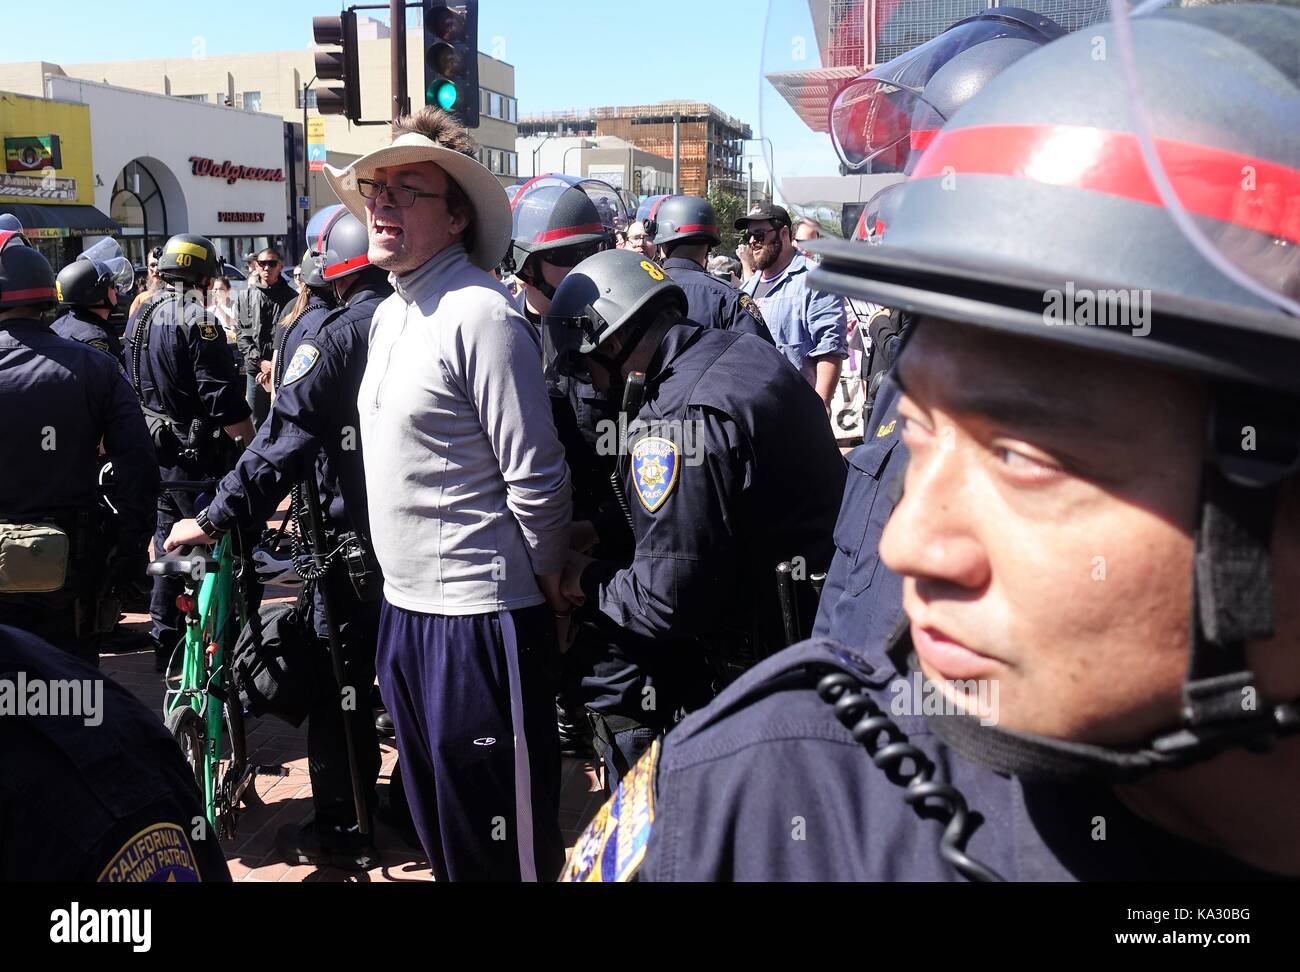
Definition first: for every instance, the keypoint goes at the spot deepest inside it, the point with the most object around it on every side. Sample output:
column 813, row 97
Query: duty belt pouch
column 34, row 558
column 162, row 432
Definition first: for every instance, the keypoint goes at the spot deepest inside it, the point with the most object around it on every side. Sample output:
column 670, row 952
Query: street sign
column 316, row 144
column 304, row 202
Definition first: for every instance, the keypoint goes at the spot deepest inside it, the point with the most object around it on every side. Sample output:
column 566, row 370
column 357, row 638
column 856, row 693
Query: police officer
column 88, row 293
column 1038, row 694
column 683, row 228
column 61, row 562
column 180, row 366
column 728, row 469
column 312, row 429
column 102, row 794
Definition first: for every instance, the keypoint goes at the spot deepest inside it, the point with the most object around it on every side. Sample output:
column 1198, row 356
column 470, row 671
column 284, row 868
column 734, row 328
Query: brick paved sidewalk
column 284, row 799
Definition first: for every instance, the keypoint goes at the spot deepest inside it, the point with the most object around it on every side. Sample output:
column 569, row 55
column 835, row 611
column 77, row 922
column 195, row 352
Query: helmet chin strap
column 1233, row 599
column 533, row 276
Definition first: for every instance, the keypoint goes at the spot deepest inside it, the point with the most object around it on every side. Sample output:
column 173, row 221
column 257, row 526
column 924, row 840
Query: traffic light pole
column 397, row 31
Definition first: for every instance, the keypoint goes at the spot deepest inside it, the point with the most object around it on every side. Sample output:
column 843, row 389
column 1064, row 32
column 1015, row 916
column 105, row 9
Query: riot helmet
column 555, row 219
column 188, row 258
column 340, row 243
column 683, row 218
column 26, row 277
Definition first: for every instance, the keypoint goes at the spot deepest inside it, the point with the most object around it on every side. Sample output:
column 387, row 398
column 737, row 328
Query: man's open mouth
column 386, row 231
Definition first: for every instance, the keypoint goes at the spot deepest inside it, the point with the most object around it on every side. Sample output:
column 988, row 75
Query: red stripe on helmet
column 655, row 208
column 524, row 188
column 35, row 293
column 1208, row 181
column 346, row 266
column 922, row 137
column 564, row 232
column 699, row 228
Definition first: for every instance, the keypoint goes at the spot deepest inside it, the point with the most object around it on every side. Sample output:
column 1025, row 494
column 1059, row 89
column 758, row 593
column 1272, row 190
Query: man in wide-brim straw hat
column 469, row 509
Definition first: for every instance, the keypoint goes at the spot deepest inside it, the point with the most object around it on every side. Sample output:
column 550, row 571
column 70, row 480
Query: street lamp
column 564, row 165
column 546, row 138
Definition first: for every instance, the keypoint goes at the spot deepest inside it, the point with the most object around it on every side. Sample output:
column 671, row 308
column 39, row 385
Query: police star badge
column 304, row 359
column 655, row 465
column 208, row 331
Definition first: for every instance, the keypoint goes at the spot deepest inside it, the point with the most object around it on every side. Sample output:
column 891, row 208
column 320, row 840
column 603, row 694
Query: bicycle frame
column 213, row 621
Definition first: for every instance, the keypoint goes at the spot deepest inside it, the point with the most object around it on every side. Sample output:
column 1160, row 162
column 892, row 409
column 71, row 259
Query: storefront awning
column 44, row 222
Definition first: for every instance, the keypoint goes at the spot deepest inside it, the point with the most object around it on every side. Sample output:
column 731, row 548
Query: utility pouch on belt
column 162, row 431
column 34, row 558
column 363, row 569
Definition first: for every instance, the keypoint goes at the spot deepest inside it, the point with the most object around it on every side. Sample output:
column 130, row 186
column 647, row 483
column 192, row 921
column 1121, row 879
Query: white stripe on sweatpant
column 523, row 771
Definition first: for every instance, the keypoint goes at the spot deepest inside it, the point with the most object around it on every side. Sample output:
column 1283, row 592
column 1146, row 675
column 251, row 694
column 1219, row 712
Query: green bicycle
column 202, row 711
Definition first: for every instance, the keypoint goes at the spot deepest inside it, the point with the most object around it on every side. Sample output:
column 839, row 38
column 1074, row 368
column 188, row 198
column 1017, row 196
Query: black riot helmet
column 340, row 243
column 188, row 258
column 1070, row 196
column 26, row 277
column 556, row 218
column 891, row 112
column 683, row 218
column 84, row 283
column 612, row 292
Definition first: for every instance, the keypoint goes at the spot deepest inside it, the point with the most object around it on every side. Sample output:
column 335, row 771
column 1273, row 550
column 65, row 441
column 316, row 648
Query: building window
column 200, row 98
column 311, row 98
column 252, row 101
column 494, row 106
column 514, row 162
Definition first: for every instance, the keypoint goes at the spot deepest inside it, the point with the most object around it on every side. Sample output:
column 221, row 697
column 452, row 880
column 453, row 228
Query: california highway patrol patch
column 304, row 359
column 655, row 465
column 614, row 843
column 158, row 853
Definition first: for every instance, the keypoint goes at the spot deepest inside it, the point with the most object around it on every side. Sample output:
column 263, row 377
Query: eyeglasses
column 399, row 196
column 759, row 236
column 268, row 264
column 571, row 256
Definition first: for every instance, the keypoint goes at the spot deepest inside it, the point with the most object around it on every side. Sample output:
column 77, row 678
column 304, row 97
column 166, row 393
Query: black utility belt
column 171, row 437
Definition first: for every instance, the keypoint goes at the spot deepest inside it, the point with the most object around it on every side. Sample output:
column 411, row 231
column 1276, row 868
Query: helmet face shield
column 565, row 341
column 108, row 255
column 875, row 113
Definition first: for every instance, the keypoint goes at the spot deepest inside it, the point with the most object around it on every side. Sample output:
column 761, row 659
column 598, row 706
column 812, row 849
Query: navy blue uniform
column 60, row 399
column 862, row 599
column 79, row 324
column 312, row 429
column 104, row 796
column 737, row 472
column 715, row 303
column 185, row 372
column 766, row 784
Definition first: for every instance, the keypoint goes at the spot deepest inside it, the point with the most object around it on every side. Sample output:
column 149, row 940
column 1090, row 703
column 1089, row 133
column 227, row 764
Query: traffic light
column 451, row 58
column 338, row 65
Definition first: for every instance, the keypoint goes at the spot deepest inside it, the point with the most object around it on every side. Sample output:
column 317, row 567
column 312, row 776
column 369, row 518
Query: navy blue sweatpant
column 473, row 702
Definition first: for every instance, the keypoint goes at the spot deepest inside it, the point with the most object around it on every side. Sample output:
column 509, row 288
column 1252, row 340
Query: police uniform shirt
column 862, row 599
column 60, row 399
column 766, row 784
column 315, row 411
column 109, row 802
column 737, row 473
column 715, row 303
column 186, row 370
column 81, row 325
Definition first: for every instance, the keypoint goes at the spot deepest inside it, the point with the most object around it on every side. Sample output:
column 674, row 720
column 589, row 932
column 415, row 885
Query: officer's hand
column 570, row 579
column 186, row 533
column 583, row 536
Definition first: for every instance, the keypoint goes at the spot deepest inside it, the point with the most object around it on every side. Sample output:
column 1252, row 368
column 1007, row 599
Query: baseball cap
column 761, row 211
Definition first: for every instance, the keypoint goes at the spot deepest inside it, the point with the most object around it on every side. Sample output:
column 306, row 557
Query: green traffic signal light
column 447, row 96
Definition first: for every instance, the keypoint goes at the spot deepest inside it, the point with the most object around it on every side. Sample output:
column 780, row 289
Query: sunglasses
column 759, row 236
column 268, row 264
column 571, row 256
column 400, row 196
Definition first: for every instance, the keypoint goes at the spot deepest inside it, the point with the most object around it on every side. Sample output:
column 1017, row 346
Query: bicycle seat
column 194, row 565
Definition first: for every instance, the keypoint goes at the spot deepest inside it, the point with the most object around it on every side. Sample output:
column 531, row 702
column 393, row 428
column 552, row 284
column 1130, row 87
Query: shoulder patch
column 101, row 344
column 158, row 853
column 304, row 359
column 209, row 331
column 614, row 843
column 886, row 429
column 655, row 467
column 747, row 304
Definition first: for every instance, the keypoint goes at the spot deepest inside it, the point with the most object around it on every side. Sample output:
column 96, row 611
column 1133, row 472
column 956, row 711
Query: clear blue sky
column 566, row 53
